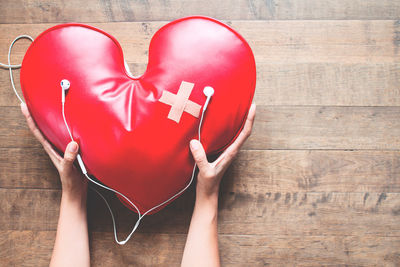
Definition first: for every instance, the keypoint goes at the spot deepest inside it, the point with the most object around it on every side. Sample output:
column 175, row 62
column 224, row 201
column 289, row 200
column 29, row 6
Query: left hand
column 73, row 183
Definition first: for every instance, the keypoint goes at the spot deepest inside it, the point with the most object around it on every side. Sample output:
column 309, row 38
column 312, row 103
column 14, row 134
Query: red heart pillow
column 134, row 132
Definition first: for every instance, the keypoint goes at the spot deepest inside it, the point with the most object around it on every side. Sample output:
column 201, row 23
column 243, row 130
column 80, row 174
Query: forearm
column 201, row 247
column 71, row 247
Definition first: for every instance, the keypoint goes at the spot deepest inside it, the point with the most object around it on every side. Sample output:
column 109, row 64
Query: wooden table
column 318, row 182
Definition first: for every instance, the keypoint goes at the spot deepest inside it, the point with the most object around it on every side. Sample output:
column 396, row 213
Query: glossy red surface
column 126, row 140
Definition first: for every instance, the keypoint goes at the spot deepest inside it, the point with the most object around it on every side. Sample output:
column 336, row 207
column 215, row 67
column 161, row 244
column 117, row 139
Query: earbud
column 208, row 92
column 65, row 84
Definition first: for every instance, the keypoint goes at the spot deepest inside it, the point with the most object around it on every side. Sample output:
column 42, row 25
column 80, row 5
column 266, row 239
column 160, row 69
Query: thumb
column 70, row 154
column 199, row 154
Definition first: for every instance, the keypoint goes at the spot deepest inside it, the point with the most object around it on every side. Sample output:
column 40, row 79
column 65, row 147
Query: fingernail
column 194, row 144
column 73, row 147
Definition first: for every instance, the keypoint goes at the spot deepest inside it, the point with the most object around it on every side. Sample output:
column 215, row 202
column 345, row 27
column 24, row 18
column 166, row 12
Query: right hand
column 210, row 173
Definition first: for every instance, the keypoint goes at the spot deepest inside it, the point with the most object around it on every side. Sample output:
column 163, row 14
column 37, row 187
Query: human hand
column 73, row 184
column 210, row 173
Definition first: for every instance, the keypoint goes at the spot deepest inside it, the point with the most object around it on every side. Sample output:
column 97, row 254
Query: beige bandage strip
column 180, row 102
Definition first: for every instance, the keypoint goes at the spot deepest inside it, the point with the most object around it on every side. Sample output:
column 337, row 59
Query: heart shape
column 134, row 132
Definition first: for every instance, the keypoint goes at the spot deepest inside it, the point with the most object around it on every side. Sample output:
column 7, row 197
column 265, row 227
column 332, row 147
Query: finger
column 54, row 156
column 199, row 155
column 69, row 156
column 36, row 132
column 248, row 126
column 31, row 124
column 228, row 155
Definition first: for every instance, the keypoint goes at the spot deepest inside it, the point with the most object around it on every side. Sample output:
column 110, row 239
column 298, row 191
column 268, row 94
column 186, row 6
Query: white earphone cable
column 140, row 216
column 11, row 67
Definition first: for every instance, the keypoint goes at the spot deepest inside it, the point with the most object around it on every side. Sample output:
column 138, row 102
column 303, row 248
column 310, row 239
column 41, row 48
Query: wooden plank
column 256, row 171
column 302, row 127
column 274, row 171
column 278, row 127
column 27, row 168
column 297, row 41
column 330, row 84
column 280, row 213
column 321, row 41
column 241, row 212
column 26, row 248
column 20, row 11
column 14, row 130
column 266, row 250
column 33, row 248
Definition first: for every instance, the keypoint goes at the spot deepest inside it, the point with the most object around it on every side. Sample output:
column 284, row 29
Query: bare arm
column 201, row 247
column 71, row 247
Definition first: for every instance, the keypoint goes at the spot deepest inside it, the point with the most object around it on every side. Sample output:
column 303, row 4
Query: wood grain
column 297, row 41
column 307, row 127
column 327, row 84
column 317, row 183
column 33, row 248
column 278, row 127
column 256, row 171
column 240, row 213
column 280, row 213
column 261, row 171
column 27, row 168
column 20, row 11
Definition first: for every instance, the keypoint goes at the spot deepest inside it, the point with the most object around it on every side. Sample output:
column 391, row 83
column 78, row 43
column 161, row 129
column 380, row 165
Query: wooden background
column 318, row 182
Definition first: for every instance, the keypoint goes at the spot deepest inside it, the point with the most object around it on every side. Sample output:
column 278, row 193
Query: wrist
column 74, row 190
column 75, row 196
column 206, row 201
column 209, row 194
column 205, row 211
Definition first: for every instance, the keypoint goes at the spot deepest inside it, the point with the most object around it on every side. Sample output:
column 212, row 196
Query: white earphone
column 208, row 92
column 65, row 84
